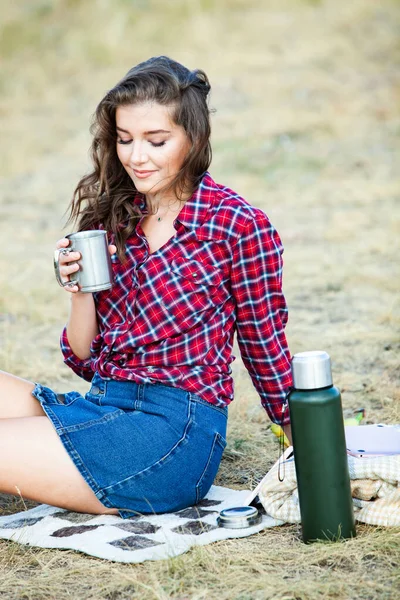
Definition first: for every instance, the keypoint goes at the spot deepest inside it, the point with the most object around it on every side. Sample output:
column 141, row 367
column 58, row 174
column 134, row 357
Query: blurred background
column 306, row 127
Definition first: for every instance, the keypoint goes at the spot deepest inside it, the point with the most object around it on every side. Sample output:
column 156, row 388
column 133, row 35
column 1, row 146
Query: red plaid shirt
column 171, row 315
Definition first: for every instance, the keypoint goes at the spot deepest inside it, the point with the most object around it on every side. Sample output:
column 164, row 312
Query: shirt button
column 95, row 390
column 150, row 369
column 194, row 274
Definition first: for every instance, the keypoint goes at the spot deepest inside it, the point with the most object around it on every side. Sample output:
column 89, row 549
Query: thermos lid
column 311, row 370
column 239, row 517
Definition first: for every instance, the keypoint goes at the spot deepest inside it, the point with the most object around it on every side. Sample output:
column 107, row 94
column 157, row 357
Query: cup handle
column 56, row 264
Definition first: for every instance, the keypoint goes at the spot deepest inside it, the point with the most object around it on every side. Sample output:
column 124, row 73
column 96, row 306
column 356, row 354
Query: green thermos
column 319, row 446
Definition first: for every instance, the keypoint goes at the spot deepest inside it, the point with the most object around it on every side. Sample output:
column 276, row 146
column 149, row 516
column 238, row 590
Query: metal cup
column 95, row 270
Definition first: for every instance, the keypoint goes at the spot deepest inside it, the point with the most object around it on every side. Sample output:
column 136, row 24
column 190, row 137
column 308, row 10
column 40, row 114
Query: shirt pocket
column 192, row 286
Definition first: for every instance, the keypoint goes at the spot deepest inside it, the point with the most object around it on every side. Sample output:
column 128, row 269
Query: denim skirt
column 142, row 448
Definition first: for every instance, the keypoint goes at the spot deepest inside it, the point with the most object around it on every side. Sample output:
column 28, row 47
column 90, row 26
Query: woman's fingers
column 71, row 287
column 65, row 258
column 67, row 264
column 62, row 243
column 112, row 249
column 66, row 269
column 68, row 258
column 67, row 274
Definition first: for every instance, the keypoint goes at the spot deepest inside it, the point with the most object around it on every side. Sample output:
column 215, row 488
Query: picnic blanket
column 375, row 487
column 133, row 540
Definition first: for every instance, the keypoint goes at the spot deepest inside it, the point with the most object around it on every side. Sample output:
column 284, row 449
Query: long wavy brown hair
column 104, row 196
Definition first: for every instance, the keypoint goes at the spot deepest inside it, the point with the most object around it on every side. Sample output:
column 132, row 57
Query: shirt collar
column 195, row 208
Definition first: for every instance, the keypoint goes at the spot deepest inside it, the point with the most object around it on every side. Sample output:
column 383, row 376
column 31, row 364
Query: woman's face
column 150, row 146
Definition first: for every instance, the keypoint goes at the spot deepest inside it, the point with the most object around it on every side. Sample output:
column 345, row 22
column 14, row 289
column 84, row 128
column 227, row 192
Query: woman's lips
column 142, row 174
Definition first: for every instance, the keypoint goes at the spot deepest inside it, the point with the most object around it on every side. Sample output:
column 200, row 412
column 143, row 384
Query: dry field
column 307, row 127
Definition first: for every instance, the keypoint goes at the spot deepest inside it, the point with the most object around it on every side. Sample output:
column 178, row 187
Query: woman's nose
column 138, row 156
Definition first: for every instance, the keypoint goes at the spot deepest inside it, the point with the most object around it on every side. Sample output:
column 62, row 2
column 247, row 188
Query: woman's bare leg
column 33, row 460
column 16, row 398
column 35, row 465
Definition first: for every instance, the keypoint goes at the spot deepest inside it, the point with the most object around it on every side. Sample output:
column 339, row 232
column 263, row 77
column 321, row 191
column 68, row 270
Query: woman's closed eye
column 154, row 144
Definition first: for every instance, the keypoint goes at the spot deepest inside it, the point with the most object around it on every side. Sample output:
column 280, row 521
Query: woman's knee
column 16, row 398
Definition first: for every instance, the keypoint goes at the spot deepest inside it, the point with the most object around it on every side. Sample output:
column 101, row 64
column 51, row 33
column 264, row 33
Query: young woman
column 193, row 263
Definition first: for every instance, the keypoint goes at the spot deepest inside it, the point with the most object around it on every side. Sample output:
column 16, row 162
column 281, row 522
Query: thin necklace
column 161, row 218
column 158, row 218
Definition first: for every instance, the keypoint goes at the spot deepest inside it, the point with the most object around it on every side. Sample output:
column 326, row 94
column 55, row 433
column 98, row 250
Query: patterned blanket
column 140, row 538
column 375, row 486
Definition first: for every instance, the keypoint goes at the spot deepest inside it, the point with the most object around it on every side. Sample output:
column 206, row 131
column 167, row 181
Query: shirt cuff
column 277, row 408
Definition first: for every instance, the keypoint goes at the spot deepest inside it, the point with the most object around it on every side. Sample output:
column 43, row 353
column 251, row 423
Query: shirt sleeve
column 80, row 367
column 262, row 313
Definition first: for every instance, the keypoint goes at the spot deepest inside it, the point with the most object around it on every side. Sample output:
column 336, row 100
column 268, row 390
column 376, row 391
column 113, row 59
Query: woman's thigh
column 35, row 465
column 16, row 398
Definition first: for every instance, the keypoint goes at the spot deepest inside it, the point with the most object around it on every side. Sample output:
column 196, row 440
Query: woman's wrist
column 82, row 298
column 288, row 432
column 82, row 325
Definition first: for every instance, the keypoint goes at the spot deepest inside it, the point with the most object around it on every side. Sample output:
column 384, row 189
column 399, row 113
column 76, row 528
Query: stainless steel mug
column 95, row 270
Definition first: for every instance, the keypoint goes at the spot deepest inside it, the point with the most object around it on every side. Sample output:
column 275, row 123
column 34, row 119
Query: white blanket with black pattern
column 133, row 540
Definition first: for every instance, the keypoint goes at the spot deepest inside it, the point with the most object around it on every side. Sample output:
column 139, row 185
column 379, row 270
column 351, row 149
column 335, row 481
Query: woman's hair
column 104, row 196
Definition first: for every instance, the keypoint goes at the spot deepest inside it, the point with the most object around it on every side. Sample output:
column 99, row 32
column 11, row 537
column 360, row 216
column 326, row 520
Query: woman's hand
column 69, row 265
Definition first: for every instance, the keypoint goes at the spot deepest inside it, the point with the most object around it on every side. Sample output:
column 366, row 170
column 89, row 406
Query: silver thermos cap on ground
column 311, row 370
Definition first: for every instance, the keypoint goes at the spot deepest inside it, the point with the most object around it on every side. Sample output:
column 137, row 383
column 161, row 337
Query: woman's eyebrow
column 146, row 132
column 157, row 131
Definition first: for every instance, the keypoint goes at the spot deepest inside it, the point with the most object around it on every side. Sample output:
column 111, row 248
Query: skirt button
column 95, row 390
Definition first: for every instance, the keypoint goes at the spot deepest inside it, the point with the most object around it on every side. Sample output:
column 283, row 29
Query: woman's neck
column 166, row 202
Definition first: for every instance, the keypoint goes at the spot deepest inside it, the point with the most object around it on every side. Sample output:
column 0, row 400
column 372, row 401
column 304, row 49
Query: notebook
column 372, row 440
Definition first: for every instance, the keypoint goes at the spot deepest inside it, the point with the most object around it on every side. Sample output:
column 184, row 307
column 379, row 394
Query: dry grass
column 307, row 127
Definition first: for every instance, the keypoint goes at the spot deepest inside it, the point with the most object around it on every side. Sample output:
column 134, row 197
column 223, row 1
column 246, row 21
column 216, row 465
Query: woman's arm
column 261, row 314
column 82, row 325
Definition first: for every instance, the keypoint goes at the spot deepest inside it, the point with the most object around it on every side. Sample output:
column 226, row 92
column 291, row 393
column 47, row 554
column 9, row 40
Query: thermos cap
column 239, row 517
column 311, row 370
